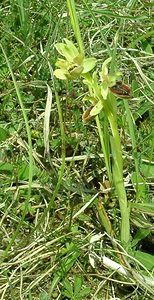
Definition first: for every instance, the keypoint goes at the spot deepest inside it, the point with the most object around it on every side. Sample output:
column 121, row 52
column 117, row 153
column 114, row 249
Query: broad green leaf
column 6, row 167
column 3, row 134
column 60, row 47
column 77, row 285
column 146, row 259
column 140, row 235
column 44, row 296
column 23, row 171
column 67, row 263
column 67, row 294
column 67, row 285
column 84, row 292
column 147, row 208
column 147, row 47
column 142, row 188
column 147, row 169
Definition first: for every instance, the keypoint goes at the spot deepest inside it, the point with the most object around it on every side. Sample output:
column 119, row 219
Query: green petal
column 111, row 80
column 79, row 59
column 96, row 109
column 72, row 48
column 104, row 90
column 90, row 98
column 69, row 51
column 95, row 84
column 76, row 71
column 65, row 51
column 104, row 72
column 106, row 62
column 60, row 48
column 89, row 64
column 60, row 74
column 62, row 63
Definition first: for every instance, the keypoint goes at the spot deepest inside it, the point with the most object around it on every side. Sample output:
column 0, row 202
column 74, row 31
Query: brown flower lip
column 86, row 117
column 122, row 90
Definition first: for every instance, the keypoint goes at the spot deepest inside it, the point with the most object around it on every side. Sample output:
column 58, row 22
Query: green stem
column 118, row 180
column 75, row 23
column 109, row 106
column 104, row 149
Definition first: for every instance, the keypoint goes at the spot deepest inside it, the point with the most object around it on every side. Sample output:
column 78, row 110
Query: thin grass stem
column 29, row 152
column 134, row 146
column 61, row 171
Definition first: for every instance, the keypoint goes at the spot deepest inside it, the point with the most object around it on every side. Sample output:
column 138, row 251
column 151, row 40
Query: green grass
column 51, row 200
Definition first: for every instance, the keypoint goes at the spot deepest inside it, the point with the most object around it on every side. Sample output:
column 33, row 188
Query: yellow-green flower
column 100, row 90
column 93, row 96
column 74, row 63
column 107, row 79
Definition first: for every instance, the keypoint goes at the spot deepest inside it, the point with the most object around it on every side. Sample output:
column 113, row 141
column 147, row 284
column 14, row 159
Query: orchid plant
column 75, row 65
column 101, row 88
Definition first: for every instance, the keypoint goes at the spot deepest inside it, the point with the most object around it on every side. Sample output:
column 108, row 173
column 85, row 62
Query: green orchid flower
column 94, row 97
column 100, row 90
column 107, row 79
column 74, row 63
